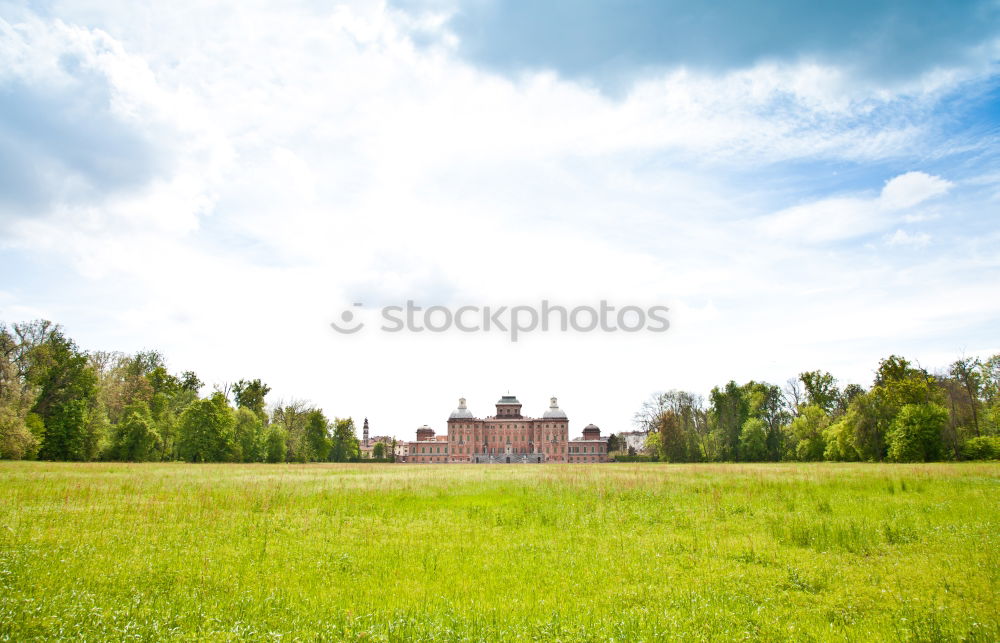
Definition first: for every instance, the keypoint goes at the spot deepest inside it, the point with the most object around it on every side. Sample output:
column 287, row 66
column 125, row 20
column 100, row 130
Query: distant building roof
column 508, row 399
column 462, row 412
column 554, row 412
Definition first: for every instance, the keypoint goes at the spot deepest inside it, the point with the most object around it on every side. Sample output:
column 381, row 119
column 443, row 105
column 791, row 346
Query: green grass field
column 573, row 552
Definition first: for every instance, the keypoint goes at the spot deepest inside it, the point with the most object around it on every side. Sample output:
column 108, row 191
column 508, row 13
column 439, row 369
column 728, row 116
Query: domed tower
column 462, row 412
column 554, row 412
column 591, row 432
column 508, row 407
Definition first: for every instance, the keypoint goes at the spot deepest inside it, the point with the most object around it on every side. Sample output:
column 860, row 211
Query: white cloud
column 904, row 238
column 907, row 190
column 841, row 218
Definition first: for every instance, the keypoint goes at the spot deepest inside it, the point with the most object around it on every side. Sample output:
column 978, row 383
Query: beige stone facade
column 507, row 437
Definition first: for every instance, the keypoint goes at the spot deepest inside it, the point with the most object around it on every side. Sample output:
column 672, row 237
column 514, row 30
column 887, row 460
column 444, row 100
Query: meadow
column 622, row 552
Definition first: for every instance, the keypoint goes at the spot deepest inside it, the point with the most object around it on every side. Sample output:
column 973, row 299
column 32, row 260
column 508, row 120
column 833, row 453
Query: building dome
column 462, row 412
column 554, row 412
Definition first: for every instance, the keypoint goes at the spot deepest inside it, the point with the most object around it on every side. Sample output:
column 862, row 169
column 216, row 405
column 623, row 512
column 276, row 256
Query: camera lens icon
column 347, row 318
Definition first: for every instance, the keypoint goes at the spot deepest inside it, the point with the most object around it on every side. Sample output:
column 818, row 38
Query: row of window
column 454, row 437
column 572, row 458
column 586, row 449
column 521, row 449
column 507, row 426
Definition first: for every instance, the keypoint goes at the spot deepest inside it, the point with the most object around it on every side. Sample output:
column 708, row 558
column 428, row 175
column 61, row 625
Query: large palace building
column 507, row 437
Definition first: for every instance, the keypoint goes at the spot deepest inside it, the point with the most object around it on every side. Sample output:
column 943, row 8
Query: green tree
column 870, row 415
column 276, row 446
column 915, row 435
column 753, row 440
column 190, row 382
column 317, row 436
column 164, row 415
column 250, row 436
column 767, row 403
column 968, row 374
column 345, row 446
column 807, row 440
column 294, row 416
column 67, row 387
column 135, row 437
column 207, row 431
column 851, row 391
column 97, row 431
column 676, row 425
column 671, row 443
column 250, row 394
column 378, row 451
column 839, row 439
column 17, row 441
column 986, row 447
column 821, row 389
column 728, row 412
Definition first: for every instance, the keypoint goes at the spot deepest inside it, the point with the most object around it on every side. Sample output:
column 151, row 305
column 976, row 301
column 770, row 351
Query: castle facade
column 507, row 438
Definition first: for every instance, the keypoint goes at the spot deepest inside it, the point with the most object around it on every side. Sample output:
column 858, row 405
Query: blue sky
column 806, row 185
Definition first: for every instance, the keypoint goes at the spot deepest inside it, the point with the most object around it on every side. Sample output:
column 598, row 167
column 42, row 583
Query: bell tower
column 364, row 433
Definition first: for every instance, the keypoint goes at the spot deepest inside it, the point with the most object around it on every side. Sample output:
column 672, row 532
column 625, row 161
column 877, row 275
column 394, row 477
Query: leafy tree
column 870, row 415
column 850, row 393
column 17, row 441
column 767, row 403
column 839, row 439
column 821, row 389
column 294, row 416
column 67, row 386
column 753, row 440
column 164, row 417
column 276, row 443
column 97, row 431
column 207, row 431
column 672, row 443
column 728, row 412
column 163, row 383
column 868, row 418
column 378, row 451
column 250, row 394
column 676, row 424
column 807, row 440
column 135, row 437
column 985, row 447
column 915, row 435
column 968, row 372
column 345, row 446
column 250, row 436
column 317, row 436
column 190, row 382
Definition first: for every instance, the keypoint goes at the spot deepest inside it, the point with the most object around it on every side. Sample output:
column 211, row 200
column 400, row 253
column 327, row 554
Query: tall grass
column 572, row 552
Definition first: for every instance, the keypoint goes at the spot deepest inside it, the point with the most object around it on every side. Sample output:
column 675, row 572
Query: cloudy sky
column 805, row 185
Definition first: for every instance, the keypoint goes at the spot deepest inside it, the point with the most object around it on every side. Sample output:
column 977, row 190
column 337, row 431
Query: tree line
column 58, row 402
column 908, row 414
